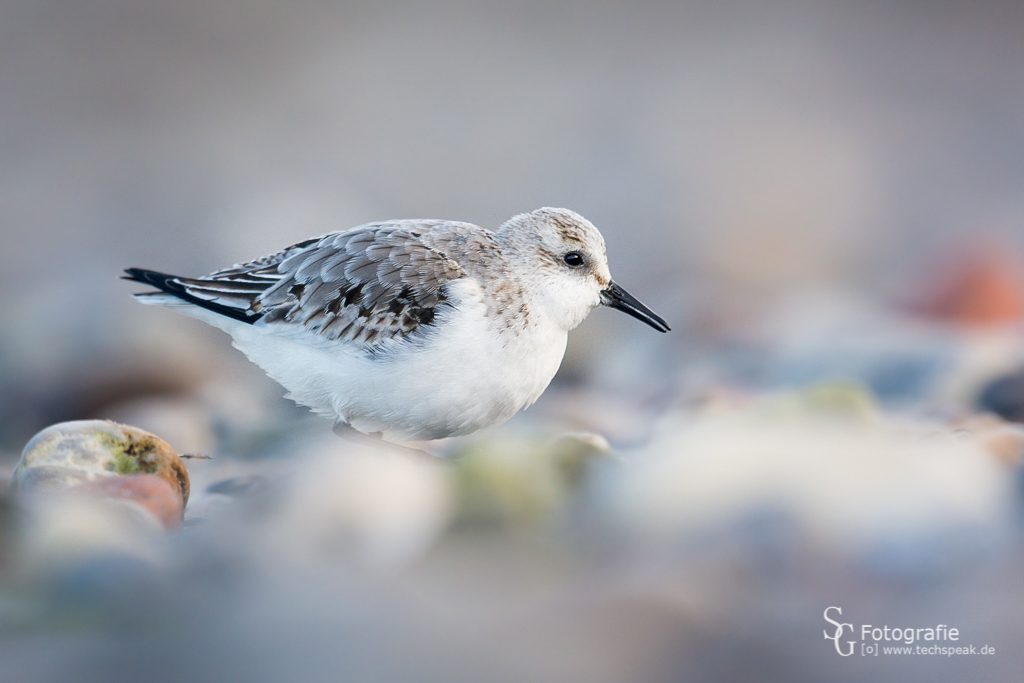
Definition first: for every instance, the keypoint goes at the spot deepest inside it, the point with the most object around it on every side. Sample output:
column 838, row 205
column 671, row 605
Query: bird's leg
column 374, row 440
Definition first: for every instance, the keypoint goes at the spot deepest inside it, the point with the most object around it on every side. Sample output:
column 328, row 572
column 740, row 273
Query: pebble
column 58, row 533
column 862, row 488
column 523, row 479
column 1004, row 396
column 369, row 505
column 107, row 459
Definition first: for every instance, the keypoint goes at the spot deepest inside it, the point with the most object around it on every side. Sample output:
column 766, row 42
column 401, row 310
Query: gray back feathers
column 364, row 285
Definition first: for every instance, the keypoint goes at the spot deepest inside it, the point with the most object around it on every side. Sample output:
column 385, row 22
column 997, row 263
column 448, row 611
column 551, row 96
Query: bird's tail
column 162, row 281
column 172, row 292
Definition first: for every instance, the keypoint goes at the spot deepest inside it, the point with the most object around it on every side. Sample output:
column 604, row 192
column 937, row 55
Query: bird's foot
column 374, row 440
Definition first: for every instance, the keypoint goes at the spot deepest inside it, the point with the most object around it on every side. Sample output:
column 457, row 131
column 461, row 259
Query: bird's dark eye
column 573, row 259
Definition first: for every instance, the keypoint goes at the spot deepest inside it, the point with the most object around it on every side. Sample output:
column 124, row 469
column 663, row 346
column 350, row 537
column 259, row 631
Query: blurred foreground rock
column 350, row 503
column 822, row 468
column 524, row 479
column 106, row 460
column 1004, row 396
column 63, row 536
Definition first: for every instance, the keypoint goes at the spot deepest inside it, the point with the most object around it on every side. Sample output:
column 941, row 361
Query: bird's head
column 563, row 255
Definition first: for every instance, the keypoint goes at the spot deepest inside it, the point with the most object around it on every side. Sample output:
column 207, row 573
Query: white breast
column 466, row 375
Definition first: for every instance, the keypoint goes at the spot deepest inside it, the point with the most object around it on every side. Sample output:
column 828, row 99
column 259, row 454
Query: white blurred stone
column 58, row 531
column 380, row 507
column 851, row 484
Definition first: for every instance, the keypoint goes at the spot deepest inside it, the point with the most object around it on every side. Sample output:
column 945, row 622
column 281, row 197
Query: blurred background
column 824, row 199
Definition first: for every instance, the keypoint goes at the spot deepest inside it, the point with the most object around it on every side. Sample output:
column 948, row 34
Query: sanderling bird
column 411, row 330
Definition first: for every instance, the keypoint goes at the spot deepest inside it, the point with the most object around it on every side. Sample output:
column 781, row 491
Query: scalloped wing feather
column 364, row 285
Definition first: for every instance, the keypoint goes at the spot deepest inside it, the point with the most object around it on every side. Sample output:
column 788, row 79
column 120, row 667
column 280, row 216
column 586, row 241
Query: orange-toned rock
column 977, row 285
column 148, row 490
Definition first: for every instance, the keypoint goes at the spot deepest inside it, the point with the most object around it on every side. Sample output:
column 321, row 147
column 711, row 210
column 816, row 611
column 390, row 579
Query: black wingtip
column 162, row 281
column 170, row 285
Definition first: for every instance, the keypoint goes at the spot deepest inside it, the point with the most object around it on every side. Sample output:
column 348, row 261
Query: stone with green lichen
column 74, row 454
column 130, row 456
column 523, row 479
column 840, row 399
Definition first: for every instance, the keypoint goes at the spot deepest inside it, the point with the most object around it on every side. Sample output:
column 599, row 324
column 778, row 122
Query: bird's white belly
column 463, row 376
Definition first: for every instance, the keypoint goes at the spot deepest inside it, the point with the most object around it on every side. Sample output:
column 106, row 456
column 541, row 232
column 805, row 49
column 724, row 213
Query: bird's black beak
column 617, row 297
